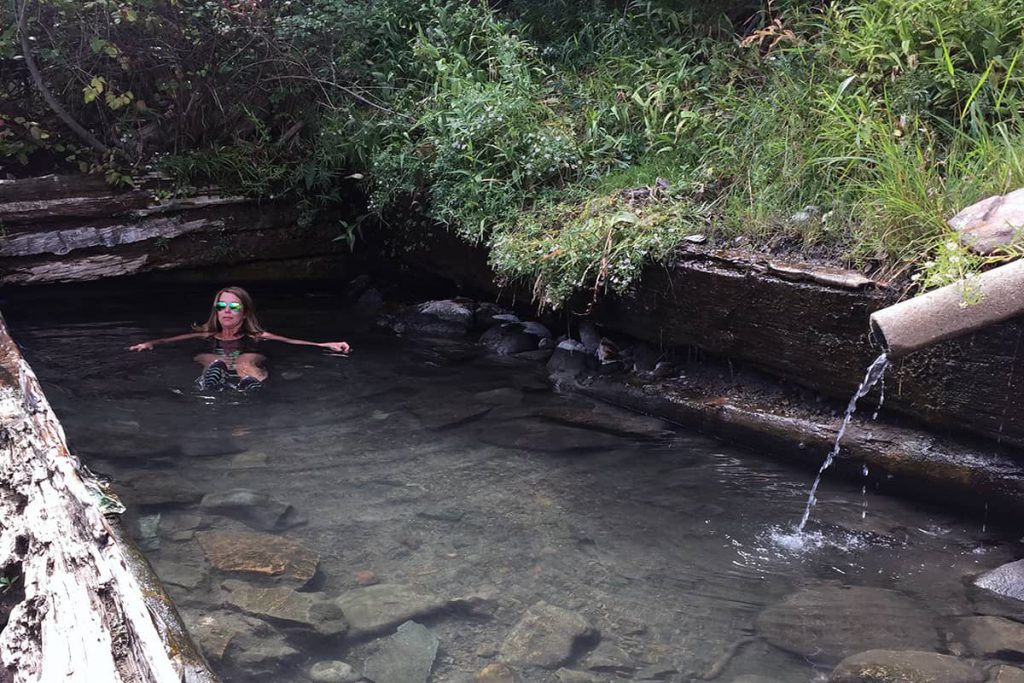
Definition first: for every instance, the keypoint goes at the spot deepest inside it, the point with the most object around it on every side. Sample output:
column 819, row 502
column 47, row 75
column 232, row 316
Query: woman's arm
column 337, row 347
column 148, row 345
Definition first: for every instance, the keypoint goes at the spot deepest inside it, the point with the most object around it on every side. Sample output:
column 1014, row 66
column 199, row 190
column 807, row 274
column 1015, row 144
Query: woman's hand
column 337, row 347
column 144, row 346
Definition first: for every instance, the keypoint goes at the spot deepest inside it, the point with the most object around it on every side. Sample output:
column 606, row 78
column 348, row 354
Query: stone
column 906, row 666
column 754, row 678
column 573, row 676
column 537, row 356
column 258, row 553
column 991, row 637
column 1006, row 580
column 258, row 510
column 375, row 609
column 215, row 631
column 333, row 671
column 485, row 313
column 176, row 573
column 609, row 657
column 406, row 657
column 829, row 622
column 546, row 636
column 569, row 361
column 508, row 339
column 157, row 487
column 1006, row 674
column 445, row 415
column 590, row 337
column 496, row 673
column 309, row 610
column 263, row 657
column 655, row 672
column 365, row 577
column 536, row 329
column 992, row 223
column 443, row 318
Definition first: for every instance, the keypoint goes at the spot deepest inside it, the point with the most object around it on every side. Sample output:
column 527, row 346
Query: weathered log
column 52, row 187
column 90, row 611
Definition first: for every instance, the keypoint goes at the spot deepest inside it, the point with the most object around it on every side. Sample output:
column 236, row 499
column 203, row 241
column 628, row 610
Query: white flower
column 952, row 246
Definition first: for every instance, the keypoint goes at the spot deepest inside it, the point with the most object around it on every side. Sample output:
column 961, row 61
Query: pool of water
column 429, row 463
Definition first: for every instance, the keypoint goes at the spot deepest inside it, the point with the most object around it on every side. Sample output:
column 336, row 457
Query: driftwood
column 92, row 611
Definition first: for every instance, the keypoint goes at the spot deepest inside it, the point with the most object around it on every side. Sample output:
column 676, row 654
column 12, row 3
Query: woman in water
column 233, row 331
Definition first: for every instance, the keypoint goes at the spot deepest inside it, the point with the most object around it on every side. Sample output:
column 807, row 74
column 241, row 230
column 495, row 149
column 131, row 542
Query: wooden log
column 85, row 616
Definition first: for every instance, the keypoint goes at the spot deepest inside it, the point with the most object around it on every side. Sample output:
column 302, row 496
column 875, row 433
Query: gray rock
column 590, row 336
column 507, row 339
column 308, row 610
column 569, row 360
column 214, row 632
column 546, row 636
column 147, row 534
column 538, row 356
column 443, row 318
column 830, row 622
column 536, row 329
column 991, row 637
column 157, row 487
column 655, row 672
column 1006, row 674
column 405, row 657
column 484, row 315
column 1007, row 580
column 376, row 609
column 506, row 318
column 754, row 678
column 258, row 510
column 609, row 657
column 992, row 223
column 333, row 671
column 899, row 666
column 263, row 657
column 573, row 676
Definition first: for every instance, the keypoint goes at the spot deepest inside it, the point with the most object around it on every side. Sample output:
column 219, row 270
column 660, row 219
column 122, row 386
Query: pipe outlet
column 940, row 314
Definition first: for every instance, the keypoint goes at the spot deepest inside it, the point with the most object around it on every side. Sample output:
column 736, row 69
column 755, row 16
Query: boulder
column 546, row 636
column 896, row 666
column 258, row 553
column 507, row 339
column 569, row 360
column 406, row 657
column 443, row 318
column 991, row 637
column 829, row 622
column 308, row 610
column 1006, row 580
column 992, row 223
column 375, row 609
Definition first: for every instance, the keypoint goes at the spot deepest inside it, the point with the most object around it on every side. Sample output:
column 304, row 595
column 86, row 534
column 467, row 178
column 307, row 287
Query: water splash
column 871, row 377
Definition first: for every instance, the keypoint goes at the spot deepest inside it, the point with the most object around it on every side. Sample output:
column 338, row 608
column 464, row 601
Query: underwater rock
column 507, row 339
column 496, row 673
column 991, row 637
column 309, row 610
column 157, row 487
column 262, row 657
column 256, row 509
column 374, row 609
column 830, row 622
column 894, row 666
column 608, row 657
column 333, row 671
column 216, row 631
column 537, row 356
column 1007, row 580
column 573, row 676
column 258, row 553
column 406, row 657
column 546, row 636
column 1006, row 674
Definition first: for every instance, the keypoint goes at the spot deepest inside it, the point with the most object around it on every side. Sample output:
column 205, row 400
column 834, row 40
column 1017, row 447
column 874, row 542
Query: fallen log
column 90, row 608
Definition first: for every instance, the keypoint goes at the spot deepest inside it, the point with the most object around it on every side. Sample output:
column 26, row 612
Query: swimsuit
column 230, row 349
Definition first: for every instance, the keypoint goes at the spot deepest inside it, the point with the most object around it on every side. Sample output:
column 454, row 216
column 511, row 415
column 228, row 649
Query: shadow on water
column 427, row 463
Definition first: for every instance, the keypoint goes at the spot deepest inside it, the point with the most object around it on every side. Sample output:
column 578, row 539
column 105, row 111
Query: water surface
column 429, row 463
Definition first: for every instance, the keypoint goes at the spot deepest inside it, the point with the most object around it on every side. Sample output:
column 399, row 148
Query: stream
column 429, row 464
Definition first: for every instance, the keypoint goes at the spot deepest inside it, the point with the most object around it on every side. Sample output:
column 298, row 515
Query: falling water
column 874, row 373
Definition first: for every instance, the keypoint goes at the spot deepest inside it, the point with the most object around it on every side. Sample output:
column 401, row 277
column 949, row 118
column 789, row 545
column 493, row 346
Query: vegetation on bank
column 579, row 141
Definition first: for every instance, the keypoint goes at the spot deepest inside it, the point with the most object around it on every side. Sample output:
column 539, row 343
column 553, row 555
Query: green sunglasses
column 232, row 305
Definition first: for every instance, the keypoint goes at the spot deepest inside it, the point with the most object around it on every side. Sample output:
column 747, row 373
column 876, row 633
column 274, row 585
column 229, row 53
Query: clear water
column 428, row 463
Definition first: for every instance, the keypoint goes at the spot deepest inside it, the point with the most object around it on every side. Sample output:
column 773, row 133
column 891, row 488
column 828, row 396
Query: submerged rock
column 497, row 673
column 256, row 509
column 257, row 553
column 895, row 666
column 374, row 609
column 309, row 610
column 828, row 623
column 991, row 637
column 333, row 671
column 508, row 339
column 406, row 657
column 547, row 636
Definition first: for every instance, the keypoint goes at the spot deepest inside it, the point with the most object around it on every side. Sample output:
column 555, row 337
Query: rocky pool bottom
column 422, row 510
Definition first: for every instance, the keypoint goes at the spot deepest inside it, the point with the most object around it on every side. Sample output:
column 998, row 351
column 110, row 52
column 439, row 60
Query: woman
column 233, row 330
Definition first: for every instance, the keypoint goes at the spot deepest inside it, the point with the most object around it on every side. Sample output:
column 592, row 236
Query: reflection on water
column 425, row 463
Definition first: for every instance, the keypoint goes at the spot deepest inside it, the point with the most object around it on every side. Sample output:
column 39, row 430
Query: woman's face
column 230, row 311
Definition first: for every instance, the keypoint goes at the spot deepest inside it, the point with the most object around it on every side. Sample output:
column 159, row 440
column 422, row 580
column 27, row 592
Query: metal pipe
column 943, row 314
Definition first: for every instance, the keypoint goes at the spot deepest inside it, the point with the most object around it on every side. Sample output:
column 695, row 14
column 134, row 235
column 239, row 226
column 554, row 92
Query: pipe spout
column 940, row 314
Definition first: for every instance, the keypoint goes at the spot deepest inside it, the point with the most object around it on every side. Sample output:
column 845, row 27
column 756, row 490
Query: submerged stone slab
column 1006, row 580
column 257, row 553
column 406, row 657
column 333, row 671
column 893, row 666
column 310, row 610
column 375, row 609
column 256, row 509
column 992, row 637
column 546, row 636
column 828, row 623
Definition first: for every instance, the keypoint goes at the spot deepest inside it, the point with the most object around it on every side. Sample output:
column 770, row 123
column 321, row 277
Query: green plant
column 7, row 584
